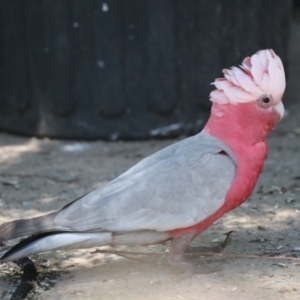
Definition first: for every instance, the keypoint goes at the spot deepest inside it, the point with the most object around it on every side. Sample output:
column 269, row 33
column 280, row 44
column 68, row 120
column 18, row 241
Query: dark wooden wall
column 119, row 69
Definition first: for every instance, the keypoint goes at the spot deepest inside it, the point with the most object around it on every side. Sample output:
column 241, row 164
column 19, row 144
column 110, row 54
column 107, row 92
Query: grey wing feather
column 174, row 188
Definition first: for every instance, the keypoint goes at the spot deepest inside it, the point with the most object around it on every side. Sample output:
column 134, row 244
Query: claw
column 227, row 240
column 216, row 249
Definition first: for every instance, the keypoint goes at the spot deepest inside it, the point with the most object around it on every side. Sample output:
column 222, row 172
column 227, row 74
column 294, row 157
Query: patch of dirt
column 38, row 176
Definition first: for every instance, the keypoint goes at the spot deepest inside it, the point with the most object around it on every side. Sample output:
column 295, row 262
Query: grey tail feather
column 7, row 251
column 26, row 227
column 4, row 250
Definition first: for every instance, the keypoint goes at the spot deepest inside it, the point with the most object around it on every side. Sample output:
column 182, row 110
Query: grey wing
column 175, row 188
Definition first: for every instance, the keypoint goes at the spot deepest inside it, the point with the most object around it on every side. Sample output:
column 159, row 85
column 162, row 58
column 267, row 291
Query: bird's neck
column 247, row 140
column 234, row 125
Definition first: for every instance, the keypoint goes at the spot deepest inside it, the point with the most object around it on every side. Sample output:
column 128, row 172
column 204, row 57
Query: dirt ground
column 41, row 175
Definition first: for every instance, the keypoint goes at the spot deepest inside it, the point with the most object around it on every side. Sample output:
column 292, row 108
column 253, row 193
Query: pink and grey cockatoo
column 176, row 193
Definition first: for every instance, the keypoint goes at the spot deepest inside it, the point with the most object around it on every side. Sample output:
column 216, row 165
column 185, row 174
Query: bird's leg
column 187, row 269
column 180, row 246
column 204, row 249
column 177, row 248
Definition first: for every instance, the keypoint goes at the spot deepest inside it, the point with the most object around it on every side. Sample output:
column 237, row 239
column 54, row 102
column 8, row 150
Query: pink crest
column 262, row 73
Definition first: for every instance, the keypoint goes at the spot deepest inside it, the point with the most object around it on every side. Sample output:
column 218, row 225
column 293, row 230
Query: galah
column 176, row 193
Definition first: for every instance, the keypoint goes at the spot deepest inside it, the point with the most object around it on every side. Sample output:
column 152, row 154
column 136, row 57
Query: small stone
column 215, row 240
column 155, row 281
column 14, row 183
column 263, row 228
column 283, row 290
column 290, row 200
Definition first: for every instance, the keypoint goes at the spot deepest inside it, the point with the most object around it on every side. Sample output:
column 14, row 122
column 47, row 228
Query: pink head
column 260, row 74
column 249, row 96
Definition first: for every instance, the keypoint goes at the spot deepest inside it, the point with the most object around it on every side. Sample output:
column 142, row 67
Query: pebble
column 282, row 265
column 283, row 290
column 155, row 281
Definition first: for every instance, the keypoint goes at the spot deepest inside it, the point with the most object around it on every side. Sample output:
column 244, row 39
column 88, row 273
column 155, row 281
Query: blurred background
column 125, row 69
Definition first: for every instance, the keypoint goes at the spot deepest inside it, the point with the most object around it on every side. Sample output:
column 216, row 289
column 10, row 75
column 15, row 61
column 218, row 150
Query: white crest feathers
column 262, row 73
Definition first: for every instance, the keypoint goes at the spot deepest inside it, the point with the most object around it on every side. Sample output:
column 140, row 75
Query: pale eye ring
column 265, row 101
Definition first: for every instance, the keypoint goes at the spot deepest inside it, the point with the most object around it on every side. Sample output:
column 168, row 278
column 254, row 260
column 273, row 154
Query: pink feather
column 262, row 73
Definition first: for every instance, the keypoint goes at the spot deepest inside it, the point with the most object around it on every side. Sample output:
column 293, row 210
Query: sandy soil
column 38, row 176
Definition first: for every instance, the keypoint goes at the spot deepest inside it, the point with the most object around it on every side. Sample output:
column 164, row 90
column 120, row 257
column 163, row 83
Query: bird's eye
column 265, row 101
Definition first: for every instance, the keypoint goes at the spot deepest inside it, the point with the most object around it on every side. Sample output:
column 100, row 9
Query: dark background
column 125, row 69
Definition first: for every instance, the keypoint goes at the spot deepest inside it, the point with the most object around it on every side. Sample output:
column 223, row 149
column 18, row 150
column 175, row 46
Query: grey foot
column 179, row 248
column 193, row 252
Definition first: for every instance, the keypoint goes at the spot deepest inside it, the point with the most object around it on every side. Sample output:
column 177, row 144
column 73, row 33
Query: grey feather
column 174, row 188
